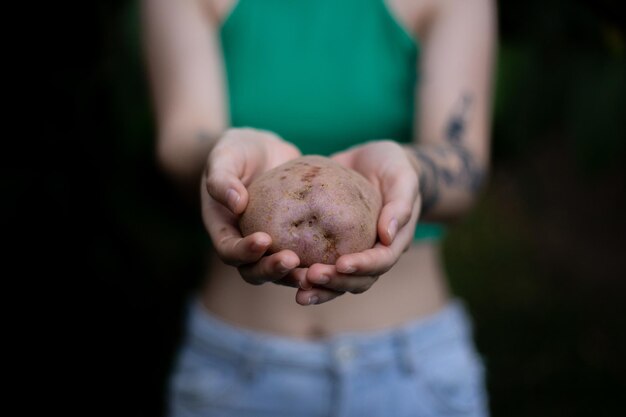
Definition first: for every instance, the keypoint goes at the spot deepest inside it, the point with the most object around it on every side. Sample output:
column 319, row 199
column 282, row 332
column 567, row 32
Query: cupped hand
column 238, row 157
column 387, row 166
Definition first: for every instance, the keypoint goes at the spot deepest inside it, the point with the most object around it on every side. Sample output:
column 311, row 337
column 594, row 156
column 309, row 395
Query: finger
column 225, row 169
column 237, row 251
column 380, row 258
column 326, row 276
column 270, row 268
column 375, row 261
column 349, row 283
column 400, row 189
column 293, row 279
column 343, row 158
column 226, row 237
column 315, row 296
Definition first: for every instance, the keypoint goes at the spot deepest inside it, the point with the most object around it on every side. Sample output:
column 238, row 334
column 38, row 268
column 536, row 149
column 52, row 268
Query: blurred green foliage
column 561, row 72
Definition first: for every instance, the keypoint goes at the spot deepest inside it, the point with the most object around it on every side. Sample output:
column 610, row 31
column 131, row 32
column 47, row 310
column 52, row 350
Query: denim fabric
column 425, row 368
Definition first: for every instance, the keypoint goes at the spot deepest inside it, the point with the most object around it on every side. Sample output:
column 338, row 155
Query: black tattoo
column 450, row 165
column 468, row 175
column 456, row 125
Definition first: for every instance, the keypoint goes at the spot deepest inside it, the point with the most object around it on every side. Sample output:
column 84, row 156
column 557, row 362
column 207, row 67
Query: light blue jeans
column 426, row 368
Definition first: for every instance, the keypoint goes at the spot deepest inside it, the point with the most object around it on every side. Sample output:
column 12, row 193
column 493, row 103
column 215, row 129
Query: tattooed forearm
column 450, row 165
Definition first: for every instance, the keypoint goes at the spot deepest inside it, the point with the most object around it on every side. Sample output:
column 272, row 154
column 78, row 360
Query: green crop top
column 323, row 74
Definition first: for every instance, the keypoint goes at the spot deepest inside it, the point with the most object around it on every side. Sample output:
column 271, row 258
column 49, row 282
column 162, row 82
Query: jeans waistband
column 207, row 332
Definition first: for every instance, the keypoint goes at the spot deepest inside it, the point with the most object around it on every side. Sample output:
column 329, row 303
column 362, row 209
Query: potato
column 315, row 207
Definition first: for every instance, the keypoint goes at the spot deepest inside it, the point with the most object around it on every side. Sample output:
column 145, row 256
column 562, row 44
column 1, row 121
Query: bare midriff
column 415, row 287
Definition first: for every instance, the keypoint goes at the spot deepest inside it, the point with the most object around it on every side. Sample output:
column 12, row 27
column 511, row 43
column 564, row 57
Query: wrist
column 410, row 152
column 182, row 155
column 426, row 175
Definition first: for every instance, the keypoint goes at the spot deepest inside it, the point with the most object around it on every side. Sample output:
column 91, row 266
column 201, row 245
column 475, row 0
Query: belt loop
column 403, row 351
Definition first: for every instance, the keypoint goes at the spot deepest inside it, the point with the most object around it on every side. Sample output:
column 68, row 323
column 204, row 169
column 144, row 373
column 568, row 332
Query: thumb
column 223, row 178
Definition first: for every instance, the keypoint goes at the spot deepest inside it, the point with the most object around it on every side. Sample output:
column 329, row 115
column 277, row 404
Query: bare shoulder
column 417, row 15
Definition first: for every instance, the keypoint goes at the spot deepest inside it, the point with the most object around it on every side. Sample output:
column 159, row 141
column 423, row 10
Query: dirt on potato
column 315, row 207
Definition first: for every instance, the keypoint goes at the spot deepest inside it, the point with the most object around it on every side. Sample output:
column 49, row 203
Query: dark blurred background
column 540, row 260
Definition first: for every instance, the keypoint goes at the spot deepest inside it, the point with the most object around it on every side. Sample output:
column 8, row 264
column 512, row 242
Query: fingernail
column 314, row 299
column 305, row 285
column 233, row 198
column 393, row 228
column 348, row 270
column 322, row 279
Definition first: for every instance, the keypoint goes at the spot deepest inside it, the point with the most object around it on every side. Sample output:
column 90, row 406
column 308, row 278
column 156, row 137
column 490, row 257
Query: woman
column 241, row 86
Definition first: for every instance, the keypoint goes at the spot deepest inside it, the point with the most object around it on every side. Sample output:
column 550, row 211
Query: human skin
column 445, row 167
